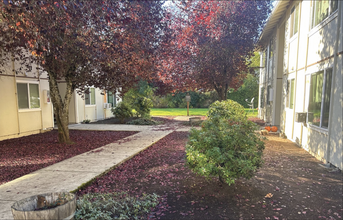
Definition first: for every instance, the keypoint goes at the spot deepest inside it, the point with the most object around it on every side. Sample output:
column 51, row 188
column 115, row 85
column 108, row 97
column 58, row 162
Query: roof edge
column 278, row 11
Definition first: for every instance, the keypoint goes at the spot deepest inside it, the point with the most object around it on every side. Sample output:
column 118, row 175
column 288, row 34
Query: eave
column 273, row 20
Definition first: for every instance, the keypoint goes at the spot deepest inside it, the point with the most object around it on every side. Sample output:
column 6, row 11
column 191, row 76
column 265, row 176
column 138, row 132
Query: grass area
column 177, row 111
column 192, row 111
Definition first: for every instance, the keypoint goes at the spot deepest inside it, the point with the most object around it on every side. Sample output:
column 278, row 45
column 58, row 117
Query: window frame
column 314, row 10
column 262, row 97
column 270, row 65
column 28, row 83
column 323, row 96
column 89, row 94
column 294, row 12
column 290, row 98
column 114, row 98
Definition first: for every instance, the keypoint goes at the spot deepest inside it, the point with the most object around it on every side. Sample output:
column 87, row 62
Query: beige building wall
column 309, row 51
column 8, row 107
column 15, row 122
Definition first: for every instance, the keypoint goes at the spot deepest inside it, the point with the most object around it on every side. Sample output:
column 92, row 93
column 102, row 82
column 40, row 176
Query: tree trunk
column 61, row 107
column 62, row 124
column 222, row 93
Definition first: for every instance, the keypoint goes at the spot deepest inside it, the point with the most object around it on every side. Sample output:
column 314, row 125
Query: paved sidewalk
column 69, row 174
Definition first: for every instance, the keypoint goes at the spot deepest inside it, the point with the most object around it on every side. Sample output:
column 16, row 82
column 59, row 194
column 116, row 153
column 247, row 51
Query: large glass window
column 271, row 59
column 319, row 100
column 322, row 9
column 28, row 95
column 294, row 20
column 291, row 91
column 90, row 96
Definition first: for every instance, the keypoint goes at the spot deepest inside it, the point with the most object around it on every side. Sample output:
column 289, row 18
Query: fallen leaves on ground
column 20, row 156
column 300, row 188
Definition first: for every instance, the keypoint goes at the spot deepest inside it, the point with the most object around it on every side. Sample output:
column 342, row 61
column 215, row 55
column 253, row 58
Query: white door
column 290, row 108
column 305, row 128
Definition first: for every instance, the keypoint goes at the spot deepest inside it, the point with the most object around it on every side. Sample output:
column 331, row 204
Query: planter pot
column 46, row 206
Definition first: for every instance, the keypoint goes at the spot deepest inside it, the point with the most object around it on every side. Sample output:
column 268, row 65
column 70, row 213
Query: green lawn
column 192, row 111
column 177, row 111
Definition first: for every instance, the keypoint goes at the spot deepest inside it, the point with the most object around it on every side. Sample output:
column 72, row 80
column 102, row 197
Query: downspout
column 296, row 73
column 105, row 101
column 265, row 95
column 84, row 109
column 40, row 100
column 334, row 77
column 76, row 108
column 16, row 91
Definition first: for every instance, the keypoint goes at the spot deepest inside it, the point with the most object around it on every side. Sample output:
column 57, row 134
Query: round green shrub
column 226, row 146
column 122, row 111
column 227, row 109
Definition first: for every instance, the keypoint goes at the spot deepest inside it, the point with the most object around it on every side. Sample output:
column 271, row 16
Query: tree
column 248, row 90
column 250, row 86
column 212, row 43
column 106, row 44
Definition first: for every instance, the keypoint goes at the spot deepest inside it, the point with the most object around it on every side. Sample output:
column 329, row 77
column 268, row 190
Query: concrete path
column 69, row 174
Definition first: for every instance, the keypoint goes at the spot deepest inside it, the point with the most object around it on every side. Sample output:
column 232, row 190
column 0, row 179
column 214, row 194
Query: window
column 271, row 59
column 268, row 95
column 322, row 9
column 111, row 98
column 28, row 95
column 264, row 60
column 90, row 96
column 294, row 20
column 319, row 100
column 262, row 97
column 291, row 93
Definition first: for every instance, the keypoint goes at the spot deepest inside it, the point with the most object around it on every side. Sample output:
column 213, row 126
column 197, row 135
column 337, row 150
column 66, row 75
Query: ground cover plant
column 107, row 206
column 289, row 185
column 24, row 155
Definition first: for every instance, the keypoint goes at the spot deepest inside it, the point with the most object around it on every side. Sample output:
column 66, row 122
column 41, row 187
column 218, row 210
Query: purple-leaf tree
column 106, row 44
column 213, row 40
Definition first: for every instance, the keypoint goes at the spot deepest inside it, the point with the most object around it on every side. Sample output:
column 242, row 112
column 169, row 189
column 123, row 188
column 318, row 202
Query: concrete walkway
column 69, row 174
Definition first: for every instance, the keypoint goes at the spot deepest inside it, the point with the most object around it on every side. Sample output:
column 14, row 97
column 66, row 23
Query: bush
column 226, row 146
column 114, row 206
column 122, row 111
column 142, row 106
column 229, row 110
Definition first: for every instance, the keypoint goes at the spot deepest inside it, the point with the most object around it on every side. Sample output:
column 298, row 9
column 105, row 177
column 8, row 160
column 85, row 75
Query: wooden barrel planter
column 59, row 205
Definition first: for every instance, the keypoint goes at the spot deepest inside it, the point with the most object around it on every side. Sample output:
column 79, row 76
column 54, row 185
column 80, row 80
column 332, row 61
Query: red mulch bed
column 299, row 188
column 24, row 155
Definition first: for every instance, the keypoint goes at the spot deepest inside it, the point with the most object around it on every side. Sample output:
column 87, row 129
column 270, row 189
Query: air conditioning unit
column 105, row 105
column 109, row 105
